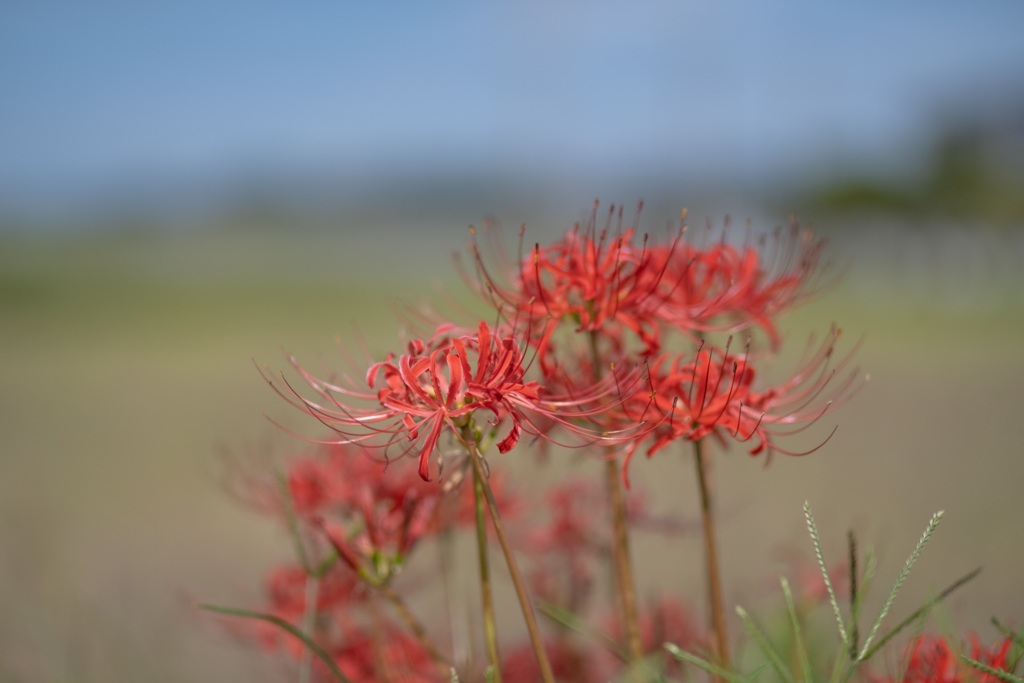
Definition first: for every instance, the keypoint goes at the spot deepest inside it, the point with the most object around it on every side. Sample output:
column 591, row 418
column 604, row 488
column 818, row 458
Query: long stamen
column 695, row 374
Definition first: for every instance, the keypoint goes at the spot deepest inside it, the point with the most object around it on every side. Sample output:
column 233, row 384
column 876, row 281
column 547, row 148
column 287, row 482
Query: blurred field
column 127, row 360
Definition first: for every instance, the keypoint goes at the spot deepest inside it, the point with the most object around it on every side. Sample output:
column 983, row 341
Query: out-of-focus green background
column 185, row 191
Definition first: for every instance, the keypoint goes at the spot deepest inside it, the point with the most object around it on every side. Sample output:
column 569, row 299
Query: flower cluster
column 606, row 337
column 363, row 646
column 355, row 522
column 713, row 393
column 626, row 294
column 608, row 281
column 410, row 399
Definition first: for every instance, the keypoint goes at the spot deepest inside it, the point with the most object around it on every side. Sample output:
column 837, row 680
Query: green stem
column 487, row 599
column 623, row 568
column 714, row 578
column 513, row 569
column 626, row 593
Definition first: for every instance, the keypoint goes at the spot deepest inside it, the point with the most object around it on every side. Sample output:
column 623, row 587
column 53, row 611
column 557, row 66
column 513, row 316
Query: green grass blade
column 798, row 636
column 813, row 529
column 567, row 619
column 1012, row 635
column 920, row 612
column 684, row 656
column 998, row 673
column 285, row 626
column 837, row 666
column 929, row 530
column 759, row 636
column 1017, row 639
column 650, row 668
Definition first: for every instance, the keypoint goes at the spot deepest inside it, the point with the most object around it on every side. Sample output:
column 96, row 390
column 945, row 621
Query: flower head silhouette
column 605, row 281
column 713, row 393
column 725, row 287
column 441, row 384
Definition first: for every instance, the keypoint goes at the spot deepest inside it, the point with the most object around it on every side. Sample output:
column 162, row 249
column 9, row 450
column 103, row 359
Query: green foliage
column 816, row 540
column 684, row 656
column 798, row 637
column 933, row 523
column 921, row 611
column 288, row 628
column 798, row 668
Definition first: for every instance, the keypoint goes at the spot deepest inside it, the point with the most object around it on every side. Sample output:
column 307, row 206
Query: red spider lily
column 365, row 653
column 667, row 620
column 727, row 288
column 382, row 653
column 931, row 659
column 371, row 515
column 572, row 536
column 612, row 284
column 576, row 510
column 570, row 661
column 340, row 495
column 998, row 657
column 663, row 619
column 442, row 383
column 594, row 280
column 377, row 516
column 365, row 649
column 713, row 393
column 287, row 599
column 565, row 544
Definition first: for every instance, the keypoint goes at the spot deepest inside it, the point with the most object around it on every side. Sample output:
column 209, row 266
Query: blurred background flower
column 187, row 186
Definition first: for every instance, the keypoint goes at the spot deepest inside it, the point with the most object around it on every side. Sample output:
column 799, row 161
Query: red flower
column 570, row 663
column 663, row 619
column 376, row 516
column 286, row 587
column 611, row 284
column 997, row 658
column 382, row 652
column 365, row 649
column 931, row 659
column 713, row 393
column 727, row 288
column 667, row 620
column 564, row 545
column 442, row 383
column 594, row 280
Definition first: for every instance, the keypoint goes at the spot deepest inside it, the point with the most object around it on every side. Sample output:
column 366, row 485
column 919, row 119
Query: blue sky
column 94, row 96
